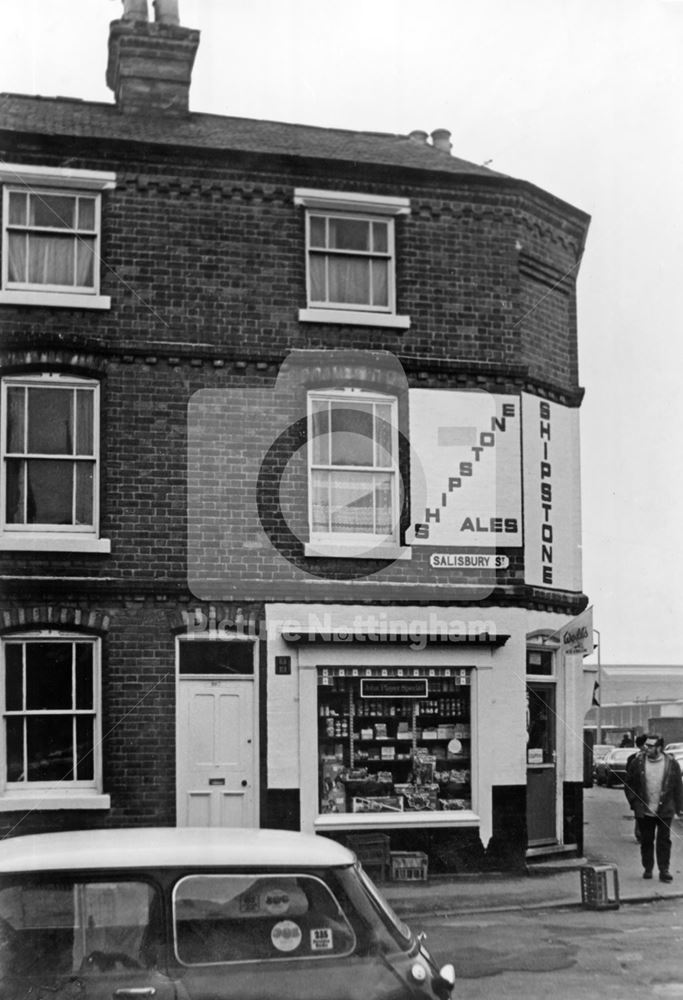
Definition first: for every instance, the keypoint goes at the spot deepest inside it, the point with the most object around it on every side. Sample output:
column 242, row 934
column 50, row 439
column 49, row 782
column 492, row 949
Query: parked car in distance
column 670, row 747
column 611, row 770
column 201, row 914
column 600, row 751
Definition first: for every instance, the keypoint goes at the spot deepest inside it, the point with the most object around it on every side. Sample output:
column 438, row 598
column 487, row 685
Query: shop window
column 353, row 473
column 394, row 743
column 50, row 456
column 50, row 708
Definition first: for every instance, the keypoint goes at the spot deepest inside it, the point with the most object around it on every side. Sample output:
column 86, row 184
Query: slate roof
column 69, row 117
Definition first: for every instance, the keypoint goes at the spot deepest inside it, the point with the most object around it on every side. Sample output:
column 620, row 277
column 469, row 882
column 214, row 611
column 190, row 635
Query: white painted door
column 216, row 759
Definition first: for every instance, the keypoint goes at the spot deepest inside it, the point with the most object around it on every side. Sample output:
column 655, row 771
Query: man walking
column 654, row 790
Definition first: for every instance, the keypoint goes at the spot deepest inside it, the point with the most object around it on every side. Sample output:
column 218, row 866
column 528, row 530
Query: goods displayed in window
column 394, row 743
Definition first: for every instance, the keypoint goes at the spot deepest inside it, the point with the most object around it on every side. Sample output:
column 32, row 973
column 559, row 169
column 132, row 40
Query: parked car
column 670, row 747
column 600, row 751
column 194, row 914
column 611, row 770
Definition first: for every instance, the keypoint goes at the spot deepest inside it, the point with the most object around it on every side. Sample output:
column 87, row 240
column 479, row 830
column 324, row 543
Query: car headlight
column 447, row 973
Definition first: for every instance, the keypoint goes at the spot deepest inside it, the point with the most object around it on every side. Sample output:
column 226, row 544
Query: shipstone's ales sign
column 552, row 501
column 469, row 488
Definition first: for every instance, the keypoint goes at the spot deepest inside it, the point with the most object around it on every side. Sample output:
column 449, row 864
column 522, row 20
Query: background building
column 638, row 698
column 291, row 509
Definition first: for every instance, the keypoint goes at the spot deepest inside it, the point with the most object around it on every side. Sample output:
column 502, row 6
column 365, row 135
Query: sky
column 582, row 98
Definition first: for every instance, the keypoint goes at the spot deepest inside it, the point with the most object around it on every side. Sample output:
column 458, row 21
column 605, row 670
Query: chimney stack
column 150, row 63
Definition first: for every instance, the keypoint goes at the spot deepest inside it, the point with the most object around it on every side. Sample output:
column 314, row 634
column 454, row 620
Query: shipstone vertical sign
column 552, row 494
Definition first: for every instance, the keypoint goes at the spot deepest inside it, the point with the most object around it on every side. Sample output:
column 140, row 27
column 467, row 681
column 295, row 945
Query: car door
column 256, row 936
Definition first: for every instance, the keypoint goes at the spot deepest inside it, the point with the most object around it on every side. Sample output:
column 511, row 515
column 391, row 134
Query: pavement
column 550, row 883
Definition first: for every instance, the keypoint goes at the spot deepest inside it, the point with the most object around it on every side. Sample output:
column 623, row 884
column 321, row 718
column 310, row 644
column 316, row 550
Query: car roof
column 623, row 751
column 170, row 847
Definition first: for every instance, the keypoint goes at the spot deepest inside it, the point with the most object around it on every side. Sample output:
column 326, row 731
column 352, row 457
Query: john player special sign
column 466, row 481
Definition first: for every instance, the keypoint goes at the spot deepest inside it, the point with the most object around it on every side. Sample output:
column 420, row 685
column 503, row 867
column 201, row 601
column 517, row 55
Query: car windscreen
column 366, row 900
column 257, row 918
column 56, row 926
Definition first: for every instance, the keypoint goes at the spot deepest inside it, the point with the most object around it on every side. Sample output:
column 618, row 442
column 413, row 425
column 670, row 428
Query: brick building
column 290, row 475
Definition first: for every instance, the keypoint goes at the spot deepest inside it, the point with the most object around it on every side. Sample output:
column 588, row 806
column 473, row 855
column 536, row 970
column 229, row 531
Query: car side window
column 256, row 918
column 57, row 928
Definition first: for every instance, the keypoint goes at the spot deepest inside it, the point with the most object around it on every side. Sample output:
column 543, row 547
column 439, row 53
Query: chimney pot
column 441, row 138
column 135, row 10
column 166, row 11
column 417, row 135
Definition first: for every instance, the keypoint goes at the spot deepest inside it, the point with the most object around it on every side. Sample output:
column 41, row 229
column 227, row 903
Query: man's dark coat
column 671, row 798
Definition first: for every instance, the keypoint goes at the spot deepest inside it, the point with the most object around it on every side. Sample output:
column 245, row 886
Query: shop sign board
column 576, row 638
column 466, row 487
column 552, row 496
column 395, row 687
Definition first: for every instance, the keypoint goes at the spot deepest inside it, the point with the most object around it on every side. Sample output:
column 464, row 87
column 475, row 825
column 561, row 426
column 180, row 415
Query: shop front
column 445, row 741
column 387, row 723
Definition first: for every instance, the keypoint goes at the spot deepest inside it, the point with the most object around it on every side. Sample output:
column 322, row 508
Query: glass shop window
column 394, row 744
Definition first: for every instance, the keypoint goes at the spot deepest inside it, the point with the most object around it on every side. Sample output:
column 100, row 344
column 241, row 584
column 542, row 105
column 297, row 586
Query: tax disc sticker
column 286, row 935
column 321, row 939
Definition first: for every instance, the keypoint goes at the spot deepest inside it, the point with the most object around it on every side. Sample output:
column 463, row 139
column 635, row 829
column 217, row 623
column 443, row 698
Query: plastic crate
column 409, row 866
column 372, row 850
column 600, row 887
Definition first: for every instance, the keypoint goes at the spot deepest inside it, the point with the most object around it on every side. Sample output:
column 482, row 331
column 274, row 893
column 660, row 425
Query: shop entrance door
column 541, row 775
column 216, row 760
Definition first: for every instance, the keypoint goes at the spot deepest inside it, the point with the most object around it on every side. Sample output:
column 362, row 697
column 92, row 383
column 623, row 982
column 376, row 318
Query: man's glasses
column 651, row 746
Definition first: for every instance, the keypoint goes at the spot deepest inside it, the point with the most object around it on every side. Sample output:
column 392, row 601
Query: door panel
column 216, row 765
column 541, row 765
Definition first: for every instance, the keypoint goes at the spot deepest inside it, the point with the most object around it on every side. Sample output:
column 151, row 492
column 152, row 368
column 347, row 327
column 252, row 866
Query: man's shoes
column 666, row 877
column 647, row 873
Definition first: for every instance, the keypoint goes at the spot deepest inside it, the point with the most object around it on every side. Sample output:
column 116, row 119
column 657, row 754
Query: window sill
column 35, row 542
column 17, row 802
column 352, row 550
column 64, row 300
column 402, row 820
column 350, row 317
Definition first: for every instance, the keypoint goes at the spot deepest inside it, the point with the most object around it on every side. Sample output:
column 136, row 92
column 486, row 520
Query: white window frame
column 51, row 537
column 85, row 794
column 354, row 545
column 354, row 206
column 53, row 180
